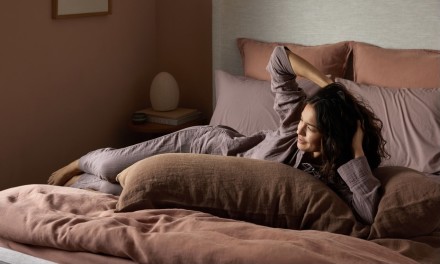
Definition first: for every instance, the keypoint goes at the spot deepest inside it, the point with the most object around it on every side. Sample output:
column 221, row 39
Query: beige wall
column 69, row 86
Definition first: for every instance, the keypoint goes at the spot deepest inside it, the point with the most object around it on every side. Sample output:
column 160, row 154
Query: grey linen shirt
column 363, row 194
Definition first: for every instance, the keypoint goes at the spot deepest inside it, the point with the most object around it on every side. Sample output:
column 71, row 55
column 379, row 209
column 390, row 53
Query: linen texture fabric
column 262, row 192
column 411, row 123
column 396, row 68
column 330, row 59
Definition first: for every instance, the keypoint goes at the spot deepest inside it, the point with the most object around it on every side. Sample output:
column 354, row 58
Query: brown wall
column 185, row 49
column 69, row 86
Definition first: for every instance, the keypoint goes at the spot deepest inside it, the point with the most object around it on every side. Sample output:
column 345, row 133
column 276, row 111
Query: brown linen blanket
column 78, row 220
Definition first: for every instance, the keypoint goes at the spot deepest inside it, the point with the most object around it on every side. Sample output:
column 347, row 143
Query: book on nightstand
column 174, row 117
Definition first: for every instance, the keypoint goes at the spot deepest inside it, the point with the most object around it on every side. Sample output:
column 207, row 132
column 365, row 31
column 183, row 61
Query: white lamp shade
column 164, row 92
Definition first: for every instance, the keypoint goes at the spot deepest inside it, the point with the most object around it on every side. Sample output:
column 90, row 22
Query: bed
column 194, row 208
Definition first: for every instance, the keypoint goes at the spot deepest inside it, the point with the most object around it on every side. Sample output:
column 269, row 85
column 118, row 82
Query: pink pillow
column 245, row 104
column 411, row 123
column 396, row 68
column 329, row 58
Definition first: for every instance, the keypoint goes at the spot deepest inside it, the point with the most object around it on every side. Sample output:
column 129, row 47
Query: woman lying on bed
column 329, row 135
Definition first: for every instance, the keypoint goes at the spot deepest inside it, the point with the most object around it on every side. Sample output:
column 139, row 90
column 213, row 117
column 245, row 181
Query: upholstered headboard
column 389, row 24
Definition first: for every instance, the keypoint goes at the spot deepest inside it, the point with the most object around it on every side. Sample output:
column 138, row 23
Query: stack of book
column 174, row 117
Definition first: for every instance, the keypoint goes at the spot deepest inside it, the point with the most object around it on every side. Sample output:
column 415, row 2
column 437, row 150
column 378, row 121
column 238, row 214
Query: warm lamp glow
column 164, row 92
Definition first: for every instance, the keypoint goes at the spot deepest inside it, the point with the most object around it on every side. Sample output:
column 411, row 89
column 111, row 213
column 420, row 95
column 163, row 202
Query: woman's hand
column 358, row 137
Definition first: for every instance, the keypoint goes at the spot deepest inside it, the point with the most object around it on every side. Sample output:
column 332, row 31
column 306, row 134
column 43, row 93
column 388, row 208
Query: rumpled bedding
column 79, row 220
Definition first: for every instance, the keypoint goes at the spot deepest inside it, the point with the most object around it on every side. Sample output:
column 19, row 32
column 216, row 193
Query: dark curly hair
column 337, row 114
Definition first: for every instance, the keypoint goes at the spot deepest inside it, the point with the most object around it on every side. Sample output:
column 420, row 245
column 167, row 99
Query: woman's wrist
column 359, row 153
column 324, row 81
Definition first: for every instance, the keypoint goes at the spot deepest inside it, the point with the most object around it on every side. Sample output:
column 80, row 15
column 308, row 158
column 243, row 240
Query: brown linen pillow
column 262, row 192
column 396, row 68
column 411, row 123
column 328, row 58
column 410, row 205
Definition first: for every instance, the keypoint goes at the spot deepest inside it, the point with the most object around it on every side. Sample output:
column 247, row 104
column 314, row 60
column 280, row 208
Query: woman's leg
column 91, row 182
column 107, row 163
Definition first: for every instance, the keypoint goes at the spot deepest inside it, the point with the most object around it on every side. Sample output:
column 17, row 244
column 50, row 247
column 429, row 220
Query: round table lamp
column 164, row 92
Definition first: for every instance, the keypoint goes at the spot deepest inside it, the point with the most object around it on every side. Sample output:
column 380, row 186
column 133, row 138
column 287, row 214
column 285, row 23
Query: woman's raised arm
column 304, row 69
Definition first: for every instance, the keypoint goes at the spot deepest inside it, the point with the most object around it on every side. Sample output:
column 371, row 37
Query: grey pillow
column 411, row 119
column 244, row 104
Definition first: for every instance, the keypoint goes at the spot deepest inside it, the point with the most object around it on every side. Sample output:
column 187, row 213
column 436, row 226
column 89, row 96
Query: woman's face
column 309, row 137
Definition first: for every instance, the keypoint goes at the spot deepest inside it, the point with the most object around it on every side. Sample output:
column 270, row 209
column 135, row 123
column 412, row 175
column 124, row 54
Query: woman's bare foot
column 63, row 175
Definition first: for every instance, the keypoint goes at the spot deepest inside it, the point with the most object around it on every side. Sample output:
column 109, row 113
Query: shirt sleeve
column 364, row 187
column 288, row 96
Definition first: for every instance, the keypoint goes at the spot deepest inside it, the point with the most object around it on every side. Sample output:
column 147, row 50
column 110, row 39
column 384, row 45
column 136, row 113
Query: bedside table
column 152, row 130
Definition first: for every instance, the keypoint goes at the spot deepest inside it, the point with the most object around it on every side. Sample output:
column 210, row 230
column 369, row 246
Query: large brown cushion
column 257, row 191
column 410, row 205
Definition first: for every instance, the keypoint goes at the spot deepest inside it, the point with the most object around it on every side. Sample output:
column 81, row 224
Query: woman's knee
column 108, row 168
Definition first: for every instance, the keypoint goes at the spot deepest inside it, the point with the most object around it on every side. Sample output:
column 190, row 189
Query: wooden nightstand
column 152, row 130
